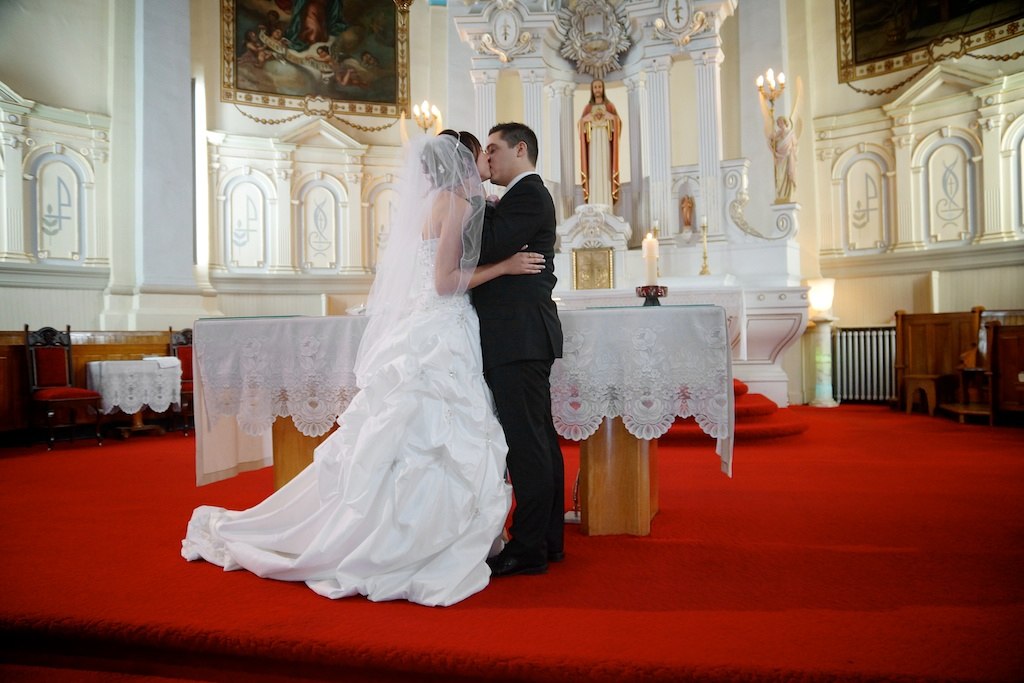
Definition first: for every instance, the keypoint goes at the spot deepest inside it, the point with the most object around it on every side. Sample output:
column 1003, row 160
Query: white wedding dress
column 405, row 499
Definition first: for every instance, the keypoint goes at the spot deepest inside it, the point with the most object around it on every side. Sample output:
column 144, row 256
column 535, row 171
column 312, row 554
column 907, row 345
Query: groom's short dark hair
column 513, row 133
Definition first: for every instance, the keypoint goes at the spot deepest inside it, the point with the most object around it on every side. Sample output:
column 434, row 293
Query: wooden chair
column 52, row 393
column 989, row 379
column 181, row 348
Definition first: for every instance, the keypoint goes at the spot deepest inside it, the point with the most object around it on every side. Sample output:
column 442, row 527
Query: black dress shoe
column 510, row 565
column 556, row 556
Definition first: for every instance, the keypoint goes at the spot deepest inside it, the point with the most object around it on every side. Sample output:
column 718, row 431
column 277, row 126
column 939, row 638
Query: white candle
column 650, row 254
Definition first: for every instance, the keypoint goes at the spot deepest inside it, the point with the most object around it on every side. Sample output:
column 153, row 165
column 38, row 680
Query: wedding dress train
column 405, row 499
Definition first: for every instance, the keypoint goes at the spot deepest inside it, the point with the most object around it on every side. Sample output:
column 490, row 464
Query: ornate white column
column 561, row 138
column 485, row 90
column 533, row 115
column 636, row 92
column 658, row 148
column 707, row 62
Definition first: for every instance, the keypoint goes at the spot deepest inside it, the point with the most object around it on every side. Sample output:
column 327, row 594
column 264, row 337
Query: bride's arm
column 522, row 263
column 447, row 270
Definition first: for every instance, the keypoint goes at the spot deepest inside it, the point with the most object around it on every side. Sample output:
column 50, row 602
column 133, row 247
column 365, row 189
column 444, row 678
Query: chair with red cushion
column 181, row 348
column 52, row 392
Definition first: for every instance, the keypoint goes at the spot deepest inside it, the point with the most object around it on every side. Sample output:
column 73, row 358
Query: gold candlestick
column 704, row 270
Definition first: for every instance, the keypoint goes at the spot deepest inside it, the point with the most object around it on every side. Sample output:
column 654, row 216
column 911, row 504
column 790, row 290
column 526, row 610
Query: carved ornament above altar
column 594, row 34
column 507, row 39
column 679, row 22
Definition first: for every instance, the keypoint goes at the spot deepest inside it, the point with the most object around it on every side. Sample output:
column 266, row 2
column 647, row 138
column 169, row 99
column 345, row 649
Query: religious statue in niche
column 686, row 211
column 782, row 133
column 600, row 129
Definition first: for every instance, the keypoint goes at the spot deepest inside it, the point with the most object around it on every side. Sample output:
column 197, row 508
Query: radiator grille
column 864, row 362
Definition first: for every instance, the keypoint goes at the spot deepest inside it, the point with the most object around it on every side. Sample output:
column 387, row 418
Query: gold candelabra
column 426, row 115
column 771, row 88
column 704, row 270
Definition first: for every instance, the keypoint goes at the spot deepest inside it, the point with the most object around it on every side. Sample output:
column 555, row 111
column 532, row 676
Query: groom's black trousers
column 522, row 395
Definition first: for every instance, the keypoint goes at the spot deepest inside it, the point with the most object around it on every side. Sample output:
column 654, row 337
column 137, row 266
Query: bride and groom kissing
column 408, row 498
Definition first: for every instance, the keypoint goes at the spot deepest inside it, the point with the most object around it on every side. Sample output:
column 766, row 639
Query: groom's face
column 503, row 160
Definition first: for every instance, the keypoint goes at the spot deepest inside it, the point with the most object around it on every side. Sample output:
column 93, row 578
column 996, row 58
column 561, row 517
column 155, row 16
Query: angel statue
column 783, row 133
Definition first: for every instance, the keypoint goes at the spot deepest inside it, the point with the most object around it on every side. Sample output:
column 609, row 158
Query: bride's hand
column 524, row 263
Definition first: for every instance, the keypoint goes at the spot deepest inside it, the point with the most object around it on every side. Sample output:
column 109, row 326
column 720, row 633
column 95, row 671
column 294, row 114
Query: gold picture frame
column 322, row 59
column 876, row 38
column 593, row 268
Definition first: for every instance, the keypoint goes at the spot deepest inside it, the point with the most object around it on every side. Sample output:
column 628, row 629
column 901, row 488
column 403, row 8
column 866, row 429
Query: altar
column 629, row 371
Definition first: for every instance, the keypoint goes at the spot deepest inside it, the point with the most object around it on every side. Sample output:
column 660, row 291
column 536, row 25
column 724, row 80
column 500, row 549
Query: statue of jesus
column 600, row 128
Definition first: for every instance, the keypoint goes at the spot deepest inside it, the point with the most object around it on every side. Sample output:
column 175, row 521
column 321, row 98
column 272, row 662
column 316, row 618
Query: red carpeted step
column 782, row 422
column 754, row 405
column 739, row 388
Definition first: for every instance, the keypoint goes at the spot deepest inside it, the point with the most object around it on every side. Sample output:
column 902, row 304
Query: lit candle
column 650, row 253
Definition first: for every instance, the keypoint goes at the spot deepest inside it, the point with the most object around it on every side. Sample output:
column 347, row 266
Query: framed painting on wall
column 876, row 38
column 320, row 57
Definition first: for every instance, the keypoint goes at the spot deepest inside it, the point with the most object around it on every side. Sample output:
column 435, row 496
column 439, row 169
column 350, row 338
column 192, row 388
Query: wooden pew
column 928, row 350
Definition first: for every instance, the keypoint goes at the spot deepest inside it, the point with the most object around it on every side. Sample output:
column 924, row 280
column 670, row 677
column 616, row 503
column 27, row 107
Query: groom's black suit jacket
column 518, row 319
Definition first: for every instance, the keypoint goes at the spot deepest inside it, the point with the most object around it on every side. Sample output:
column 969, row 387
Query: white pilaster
column 485, row 91
column 152, row 266
column 12, row 216
column 533, row 108
column 708, row 68
column 561, row 138
column 637, row 104
column 659, row 146
column 907, row 236
column 996, row 220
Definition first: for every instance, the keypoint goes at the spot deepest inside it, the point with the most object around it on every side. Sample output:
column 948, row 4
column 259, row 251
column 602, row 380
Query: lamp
column 771, row 88
column 821, row 294
column 426, row 115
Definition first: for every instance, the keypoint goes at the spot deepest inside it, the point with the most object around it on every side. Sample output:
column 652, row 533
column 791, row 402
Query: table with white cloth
column 131, row 385
column 626, row 375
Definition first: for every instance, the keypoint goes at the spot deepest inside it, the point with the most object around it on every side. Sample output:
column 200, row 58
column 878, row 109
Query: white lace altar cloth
column 259, row 369
column 132, row 384
column 647, row 365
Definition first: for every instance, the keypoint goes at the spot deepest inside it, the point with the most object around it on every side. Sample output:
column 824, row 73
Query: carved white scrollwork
column 680, row 23
column 594, row 34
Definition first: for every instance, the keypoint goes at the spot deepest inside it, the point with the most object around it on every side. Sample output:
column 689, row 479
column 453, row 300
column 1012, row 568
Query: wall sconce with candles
column 425, row 115
column 821, row 295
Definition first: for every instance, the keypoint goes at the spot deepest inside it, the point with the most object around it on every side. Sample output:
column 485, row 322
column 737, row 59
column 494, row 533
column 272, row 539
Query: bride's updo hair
column 447, row 163
column 467, row 139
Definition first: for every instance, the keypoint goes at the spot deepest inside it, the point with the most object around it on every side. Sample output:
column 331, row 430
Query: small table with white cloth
column 626, row 375
column 131, row 385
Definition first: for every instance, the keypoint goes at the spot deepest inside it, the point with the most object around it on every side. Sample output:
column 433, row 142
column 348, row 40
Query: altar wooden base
column 138, row 426
column 293, row 450
column 618, row 482
column 618, row 475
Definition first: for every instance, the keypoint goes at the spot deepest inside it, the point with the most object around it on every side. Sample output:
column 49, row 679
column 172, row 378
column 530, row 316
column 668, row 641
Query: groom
column 521, row 336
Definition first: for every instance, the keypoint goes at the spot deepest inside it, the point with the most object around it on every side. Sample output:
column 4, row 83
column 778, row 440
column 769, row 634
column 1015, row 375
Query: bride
column 406, row 498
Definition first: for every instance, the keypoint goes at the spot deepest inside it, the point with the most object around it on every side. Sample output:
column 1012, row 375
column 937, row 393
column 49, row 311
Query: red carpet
column 874, row 546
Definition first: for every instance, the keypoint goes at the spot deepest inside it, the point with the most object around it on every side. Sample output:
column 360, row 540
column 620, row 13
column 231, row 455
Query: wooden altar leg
column 293, row 450
column 139, row 426
column 618, row 482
